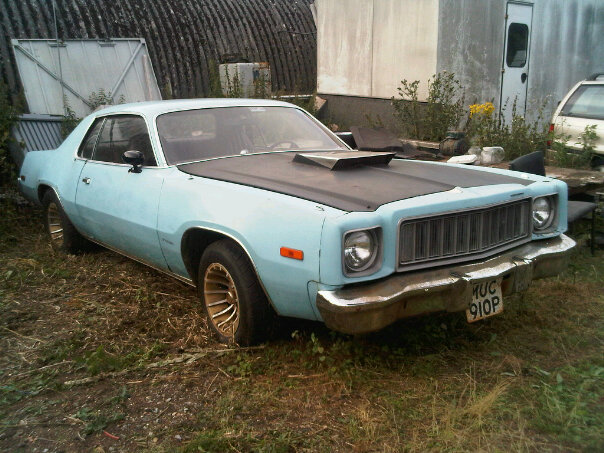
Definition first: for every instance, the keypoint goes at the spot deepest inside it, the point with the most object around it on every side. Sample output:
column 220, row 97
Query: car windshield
column 193, row 135
column 586, row 102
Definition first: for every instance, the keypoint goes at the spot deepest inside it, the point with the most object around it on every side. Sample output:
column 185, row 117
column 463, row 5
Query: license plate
column 486, row 300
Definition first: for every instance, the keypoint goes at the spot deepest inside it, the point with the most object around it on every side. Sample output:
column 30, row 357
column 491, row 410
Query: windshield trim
column 283, row 151
column 333, row 136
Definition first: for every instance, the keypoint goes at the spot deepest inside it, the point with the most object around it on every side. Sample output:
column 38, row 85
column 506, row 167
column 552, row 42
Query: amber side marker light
column 292, row 253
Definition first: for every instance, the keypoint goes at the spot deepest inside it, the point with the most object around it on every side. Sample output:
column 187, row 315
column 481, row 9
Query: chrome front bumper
column 374, row 305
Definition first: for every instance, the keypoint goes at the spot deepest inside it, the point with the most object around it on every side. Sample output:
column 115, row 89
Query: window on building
column 517, row 45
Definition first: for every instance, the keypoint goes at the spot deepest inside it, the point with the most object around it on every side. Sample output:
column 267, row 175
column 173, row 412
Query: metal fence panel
column 76, row 68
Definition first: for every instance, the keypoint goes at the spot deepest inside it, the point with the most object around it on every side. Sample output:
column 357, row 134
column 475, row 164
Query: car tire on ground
column 63, row 235
column 236, row 307
column 597, row 162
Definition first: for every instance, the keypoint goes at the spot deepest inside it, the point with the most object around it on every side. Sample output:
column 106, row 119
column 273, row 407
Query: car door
column 118, row 206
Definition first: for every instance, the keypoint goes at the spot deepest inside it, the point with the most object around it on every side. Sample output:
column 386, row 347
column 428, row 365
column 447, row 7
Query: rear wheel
column 233, row 300
column 61, row 232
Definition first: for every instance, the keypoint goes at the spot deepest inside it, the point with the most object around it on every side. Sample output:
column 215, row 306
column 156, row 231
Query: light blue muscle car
column 266, row 211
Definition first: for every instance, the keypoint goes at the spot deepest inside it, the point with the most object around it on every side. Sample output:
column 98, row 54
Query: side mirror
column 134, row 158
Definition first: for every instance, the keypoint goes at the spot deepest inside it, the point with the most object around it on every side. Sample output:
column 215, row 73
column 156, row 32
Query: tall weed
column 444, row 109
column 487, row 127
column 563, row 156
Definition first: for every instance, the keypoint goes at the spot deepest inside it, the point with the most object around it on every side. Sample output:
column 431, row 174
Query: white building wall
column 567, row 45
column 366, row 47
column 344, row 47
column 405, row 40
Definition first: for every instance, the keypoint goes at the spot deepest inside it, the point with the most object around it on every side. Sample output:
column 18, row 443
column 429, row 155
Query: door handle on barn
column 523, row 77
column 86, row 180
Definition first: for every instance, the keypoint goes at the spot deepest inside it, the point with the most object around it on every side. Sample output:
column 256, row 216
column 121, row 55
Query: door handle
column 523, row 77
column 86, row 180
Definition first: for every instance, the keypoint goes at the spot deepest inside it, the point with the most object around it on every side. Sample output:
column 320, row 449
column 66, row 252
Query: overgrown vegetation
column 70, row 119
column 96, row 99
column 486, row 127
column 9, row 111
column 97, row 343
column 563, row 156
column 443, row 111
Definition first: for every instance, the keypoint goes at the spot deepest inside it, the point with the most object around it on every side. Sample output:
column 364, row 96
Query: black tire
column 225, row 271
column 68, row 239
column 597, row 161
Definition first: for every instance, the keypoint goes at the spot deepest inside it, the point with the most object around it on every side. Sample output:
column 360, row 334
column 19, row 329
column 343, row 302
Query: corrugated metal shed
column 184, row 37
column 35, row 132
column 73, row 69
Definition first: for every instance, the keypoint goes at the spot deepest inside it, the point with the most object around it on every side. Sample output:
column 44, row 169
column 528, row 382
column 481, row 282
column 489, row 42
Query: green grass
column 530, row 379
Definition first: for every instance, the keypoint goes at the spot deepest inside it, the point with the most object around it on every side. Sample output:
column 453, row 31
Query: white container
column 243, row 77
column 468, row 159
column 492, row 155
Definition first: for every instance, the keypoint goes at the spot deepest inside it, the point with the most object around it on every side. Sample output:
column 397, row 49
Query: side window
column 87, row 146
column 124, row 133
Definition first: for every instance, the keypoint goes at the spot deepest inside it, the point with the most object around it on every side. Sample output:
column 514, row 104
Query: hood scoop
column 337, row 160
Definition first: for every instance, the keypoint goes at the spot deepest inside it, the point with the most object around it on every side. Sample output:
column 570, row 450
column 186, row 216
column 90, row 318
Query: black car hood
column 360, row 188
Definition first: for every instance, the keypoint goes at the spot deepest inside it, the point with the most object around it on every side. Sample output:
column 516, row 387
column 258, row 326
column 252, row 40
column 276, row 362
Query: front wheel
column 235, row 304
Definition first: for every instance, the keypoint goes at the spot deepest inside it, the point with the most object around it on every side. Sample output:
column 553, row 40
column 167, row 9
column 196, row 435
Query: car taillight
column 551, row 132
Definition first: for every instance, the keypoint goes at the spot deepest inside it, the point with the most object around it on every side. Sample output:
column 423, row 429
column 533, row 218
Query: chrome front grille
column 461, row 235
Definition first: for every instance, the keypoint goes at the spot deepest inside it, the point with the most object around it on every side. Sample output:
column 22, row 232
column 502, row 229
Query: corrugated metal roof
column 35, row 133
column 184, row 37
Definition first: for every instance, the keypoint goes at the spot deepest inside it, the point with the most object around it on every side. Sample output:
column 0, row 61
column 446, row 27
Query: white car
column 582, row 106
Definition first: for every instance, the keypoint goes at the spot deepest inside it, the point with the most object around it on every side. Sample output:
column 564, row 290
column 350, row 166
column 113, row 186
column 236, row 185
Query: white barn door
column 515, row 70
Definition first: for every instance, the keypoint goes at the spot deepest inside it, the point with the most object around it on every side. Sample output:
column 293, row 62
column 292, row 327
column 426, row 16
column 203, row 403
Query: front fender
column 260, row 221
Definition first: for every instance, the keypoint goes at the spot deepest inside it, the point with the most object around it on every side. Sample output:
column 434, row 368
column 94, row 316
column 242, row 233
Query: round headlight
column 542, row 213
column 360, row 250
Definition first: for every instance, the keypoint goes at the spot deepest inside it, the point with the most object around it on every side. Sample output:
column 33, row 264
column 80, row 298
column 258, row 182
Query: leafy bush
column 8, row 118
column 102, row 97
column 96, row 99
column 70, row 119
column 486, row 127
column 565, row 157
column 443, row 111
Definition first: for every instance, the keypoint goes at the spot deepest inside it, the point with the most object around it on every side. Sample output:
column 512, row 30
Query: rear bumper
column 372, row 306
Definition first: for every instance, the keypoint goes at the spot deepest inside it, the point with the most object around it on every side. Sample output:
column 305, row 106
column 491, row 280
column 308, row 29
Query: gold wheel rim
column 55, row 228
column 221, row 299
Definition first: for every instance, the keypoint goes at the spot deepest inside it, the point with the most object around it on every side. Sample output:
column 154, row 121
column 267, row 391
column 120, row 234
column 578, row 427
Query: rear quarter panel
column 575, row 127
column 58, row 169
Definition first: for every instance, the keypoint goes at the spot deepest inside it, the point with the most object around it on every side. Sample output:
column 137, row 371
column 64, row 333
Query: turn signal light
column 292, row 253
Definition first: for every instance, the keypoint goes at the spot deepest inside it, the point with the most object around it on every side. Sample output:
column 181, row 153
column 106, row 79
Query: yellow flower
column 483, row 109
